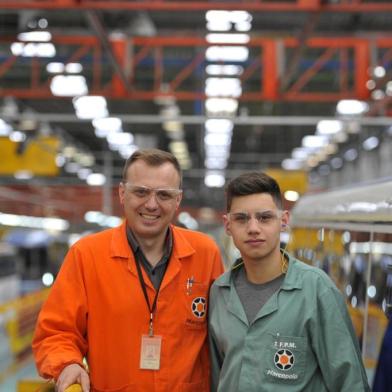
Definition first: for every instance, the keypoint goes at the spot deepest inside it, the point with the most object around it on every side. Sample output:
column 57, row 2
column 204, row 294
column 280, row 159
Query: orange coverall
column 96, row 309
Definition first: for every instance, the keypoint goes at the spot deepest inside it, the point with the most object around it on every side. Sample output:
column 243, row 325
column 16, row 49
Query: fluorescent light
column 96, row 179
column 218, row 25
column 331, row 148
column 371, row 143
column 23, row 175
column 71, row 167
column 127, row 151
column 47, row 279
column 336, row 163
column 33, row 49
column 379, row 72
column 17, row 136
column 292, row 164
column 329, row 127
column 388, row 88
column 119, row 138
column 223, row 87
column 173, row 126
column 231, row 16
column 178, row 147
column 218, row 20
column 221, row 105
column 17, row 48
column 35, row 36
column 217, row 139
column 55, row 67
column 312, row 161
column 240, row 16
column 69, row 151
column 300, row 153
column 291, row 195
column 314, row 141
column 102, row 219
column 217, row 151
column 68, row 85
column 213, row 15
column 104, row 126
column 90, row 107
column 218, row 125
column 73, row 68
column 350, row 155
column 5, row 128
column 351, row 107
column 243, row 26
column 214, row 38
column 370, row 84
column 215, row 163
column 60, row 160
column 378, row 94
column 227, row 53
column 83, row 173
column 224, row 70
column 84, row 159
column 33, row 222
column 214, row 180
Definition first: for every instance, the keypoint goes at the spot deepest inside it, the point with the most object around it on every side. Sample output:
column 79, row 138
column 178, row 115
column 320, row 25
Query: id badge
column 150, row 353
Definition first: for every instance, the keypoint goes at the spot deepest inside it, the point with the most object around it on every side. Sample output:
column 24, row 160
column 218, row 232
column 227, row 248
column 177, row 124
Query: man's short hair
column 152, row 157
column 251, row 183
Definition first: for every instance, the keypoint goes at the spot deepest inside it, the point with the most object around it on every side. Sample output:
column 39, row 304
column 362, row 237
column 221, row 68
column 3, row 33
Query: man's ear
column 121, row 192
column 178, row 200
column 285, row 220
column 226, row 223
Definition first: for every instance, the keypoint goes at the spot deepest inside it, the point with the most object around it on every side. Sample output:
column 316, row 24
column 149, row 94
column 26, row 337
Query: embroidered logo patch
column 284, row 359
column 199, row 307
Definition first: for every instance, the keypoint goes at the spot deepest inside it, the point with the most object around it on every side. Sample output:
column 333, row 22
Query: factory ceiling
column 149, row 60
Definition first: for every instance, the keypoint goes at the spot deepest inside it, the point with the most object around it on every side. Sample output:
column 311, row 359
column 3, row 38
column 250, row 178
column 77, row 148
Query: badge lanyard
column 152, row 308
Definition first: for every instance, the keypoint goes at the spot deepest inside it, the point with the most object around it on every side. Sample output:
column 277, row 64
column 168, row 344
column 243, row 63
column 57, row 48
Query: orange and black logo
column 199, row 307
column 284, row 359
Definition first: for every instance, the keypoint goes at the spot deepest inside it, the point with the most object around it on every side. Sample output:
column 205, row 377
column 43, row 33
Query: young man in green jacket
column 275, row 323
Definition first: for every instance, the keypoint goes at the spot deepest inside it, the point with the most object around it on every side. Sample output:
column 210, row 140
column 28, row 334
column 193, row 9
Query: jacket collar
column 292, row 280
column 120, row 248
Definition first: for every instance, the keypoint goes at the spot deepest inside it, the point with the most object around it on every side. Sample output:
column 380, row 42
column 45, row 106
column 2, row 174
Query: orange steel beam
column 264, row 59
column 310, row 72
column 173, row 6
column 182, row 75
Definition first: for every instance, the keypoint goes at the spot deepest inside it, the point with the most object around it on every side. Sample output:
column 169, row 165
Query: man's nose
column 152, row 201
column 253, row 224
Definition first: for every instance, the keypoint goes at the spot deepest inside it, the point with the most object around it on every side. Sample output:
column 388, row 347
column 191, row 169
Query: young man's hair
column 153, row 157
column 251, row 183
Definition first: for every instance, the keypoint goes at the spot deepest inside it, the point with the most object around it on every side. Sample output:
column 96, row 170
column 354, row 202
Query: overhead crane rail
column 175, row 5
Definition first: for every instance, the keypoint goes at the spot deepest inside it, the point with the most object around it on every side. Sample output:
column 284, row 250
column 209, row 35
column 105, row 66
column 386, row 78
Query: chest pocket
column 196, row 300
column 286, row 358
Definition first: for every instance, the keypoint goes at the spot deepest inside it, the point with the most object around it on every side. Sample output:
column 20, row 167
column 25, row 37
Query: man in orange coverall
column 132, row 300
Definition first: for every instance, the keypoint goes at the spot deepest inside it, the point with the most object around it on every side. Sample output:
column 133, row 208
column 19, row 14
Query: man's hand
column 73, row 374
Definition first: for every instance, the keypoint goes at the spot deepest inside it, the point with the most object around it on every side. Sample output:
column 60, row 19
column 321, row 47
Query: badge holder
column 150, row 352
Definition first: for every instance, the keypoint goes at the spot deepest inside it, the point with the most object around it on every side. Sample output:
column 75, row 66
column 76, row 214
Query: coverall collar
column 182, row 249
column 291, row 281
column 120, row 247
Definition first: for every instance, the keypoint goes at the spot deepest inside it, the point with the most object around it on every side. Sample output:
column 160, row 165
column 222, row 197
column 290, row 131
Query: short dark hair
column 251, row 183
column 153, row 157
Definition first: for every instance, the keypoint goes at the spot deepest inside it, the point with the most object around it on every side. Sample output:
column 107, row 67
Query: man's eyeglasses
column 144, row 192
column 263, row 217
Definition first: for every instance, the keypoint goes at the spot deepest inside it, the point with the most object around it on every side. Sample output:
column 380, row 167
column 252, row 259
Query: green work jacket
column 302, row 339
